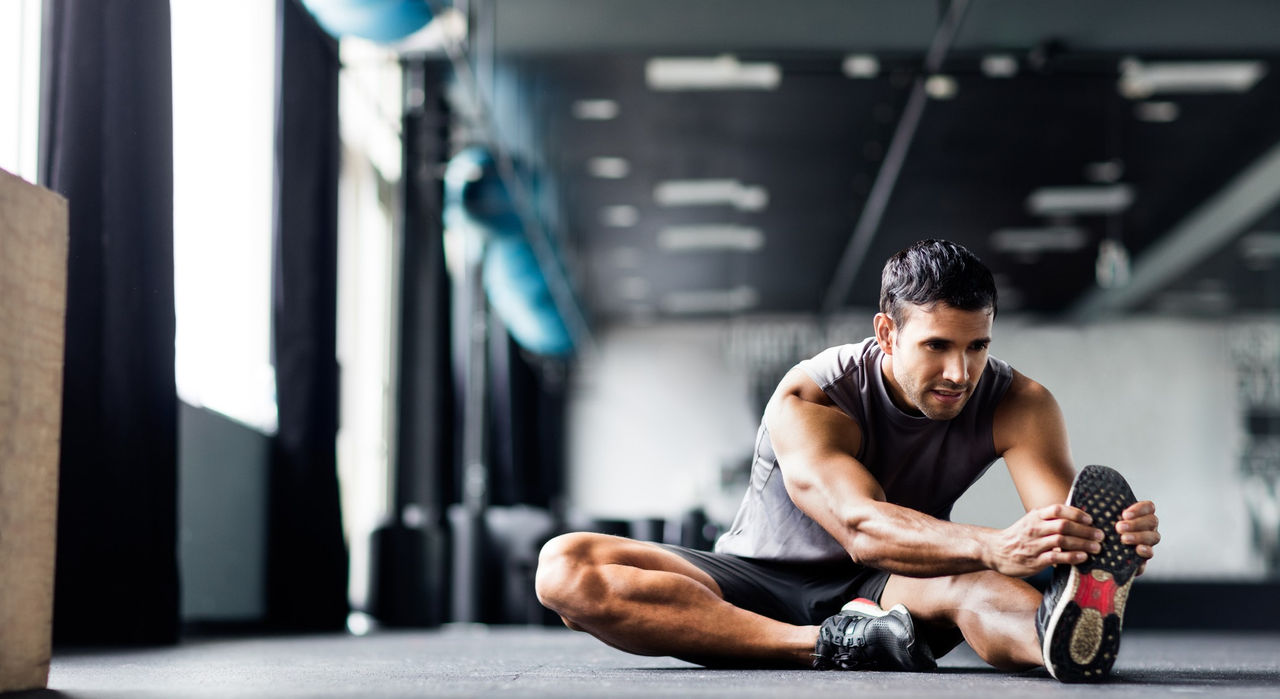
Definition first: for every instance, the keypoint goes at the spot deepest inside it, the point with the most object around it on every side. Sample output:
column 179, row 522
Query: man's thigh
column 603, row 549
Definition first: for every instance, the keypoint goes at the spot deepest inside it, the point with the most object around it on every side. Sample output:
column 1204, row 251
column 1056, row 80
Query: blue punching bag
column 477, row 200
column 376, row 20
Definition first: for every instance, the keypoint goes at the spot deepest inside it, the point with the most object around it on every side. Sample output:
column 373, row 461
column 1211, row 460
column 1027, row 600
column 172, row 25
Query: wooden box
column 33, row 281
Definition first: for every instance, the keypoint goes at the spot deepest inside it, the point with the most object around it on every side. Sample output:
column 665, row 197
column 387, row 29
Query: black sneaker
column 865, row 637
column 1079, row 620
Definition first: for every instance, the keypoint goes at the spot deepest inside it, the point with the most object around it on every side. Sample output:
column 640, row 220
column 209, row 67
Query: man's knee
column 568, row 579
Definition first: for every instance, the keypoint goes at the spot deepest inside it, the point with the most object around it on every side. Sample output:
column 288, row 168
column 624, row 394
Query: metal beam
column 887, row 177
column 1203, row 232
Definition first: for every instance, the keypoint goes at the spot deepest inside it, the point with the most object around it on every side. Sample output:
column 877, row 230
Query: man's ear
column 884, row 332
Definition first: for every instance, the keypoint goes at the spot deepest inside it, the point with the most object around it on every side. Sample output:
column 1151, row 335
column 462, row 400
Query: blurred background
column 451, row 278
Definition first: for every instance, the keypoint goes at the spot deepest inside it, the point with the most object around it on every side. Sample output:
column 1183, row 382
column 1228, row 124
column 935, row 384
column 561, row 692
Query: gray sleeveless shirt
column 920, row 463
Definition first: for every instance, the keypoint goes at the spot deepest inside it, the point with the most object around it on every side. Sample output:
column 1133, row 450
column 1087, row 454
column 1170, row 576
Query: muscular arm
column 816, row 445
column 1031, row 435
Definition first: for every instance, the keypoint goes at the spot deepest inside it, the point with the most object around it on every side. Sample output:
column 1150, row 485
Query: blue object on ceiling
column 477, row 202
column 376, row 20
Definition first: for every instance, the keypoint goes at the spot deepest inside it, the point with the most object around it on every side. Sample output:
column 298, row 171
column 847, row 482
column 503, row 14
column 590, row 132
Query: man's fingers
column 1139, row 509
column 1056, row 557
column 1075, row 529
column 1144, row 523
column 1074, row 514
column 1147, row 539
column 1063, row 542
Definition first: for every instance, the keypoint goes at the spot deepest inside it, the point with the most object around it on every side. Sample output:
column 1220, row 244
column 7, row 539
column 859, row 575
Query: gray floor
column 538, row 662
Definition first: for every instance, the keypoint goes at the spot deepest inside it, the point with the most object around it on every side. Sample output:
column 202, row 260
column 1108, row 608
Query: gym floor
column 550, row 662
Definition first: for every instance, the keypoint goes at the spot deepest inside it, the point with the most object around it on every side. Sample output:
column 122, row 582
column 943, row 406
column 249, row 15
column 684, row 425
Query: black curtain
column 106, row 145
column 307, row 556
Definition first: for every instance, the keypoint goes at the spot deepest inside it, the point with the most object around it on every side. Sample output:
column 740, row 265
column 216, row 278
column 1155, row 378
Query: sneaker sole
column 1083, row 634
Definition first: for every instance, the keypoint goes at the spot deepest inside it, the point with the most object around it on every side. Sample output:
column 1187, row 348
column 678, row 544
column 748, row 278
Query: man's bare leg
column 995, row 613
column 646, row 600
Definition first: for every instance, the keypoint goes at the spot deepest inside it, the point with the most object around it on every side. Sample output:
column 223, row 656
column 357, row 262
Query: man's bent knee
column 567, row 578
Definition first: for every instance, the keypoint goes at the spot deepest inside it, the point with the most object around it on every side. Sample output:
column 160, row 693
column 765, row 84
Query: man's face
column 936, row 357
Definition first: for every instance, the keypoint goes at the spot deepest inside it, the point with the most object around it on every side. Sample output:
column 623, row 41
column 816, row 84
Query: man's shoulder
column 837, row 361
column 1023, row 410
column 1025, row 391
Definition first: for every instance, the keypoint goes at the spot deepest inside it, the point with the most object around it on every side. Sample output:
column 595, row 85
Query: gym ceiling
column 1101, row 156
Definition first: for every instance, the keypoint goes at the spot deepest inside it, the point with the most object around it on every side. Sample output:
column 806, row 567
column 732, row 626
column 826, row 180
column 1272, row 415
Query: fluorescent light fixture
column 1140, row 80
column 634, row 288
column 733, row 300
column 1033, row 241
column 861, row 65
column 627, row 258
column 999, row 65
column 1105, row 172
column 710, row 236
column 941, row 87
column 1156, row 112
column 1260, row 250
column 711, row 192
column 595, row 110
column 1088, row 199
column 620, row 216
column 718, row 73
column 609, row 168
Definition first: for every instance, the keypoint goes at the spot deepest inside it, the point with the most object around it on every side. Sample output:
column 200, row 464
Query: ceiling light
column 941, row 87
column 733, row 300
column 711, row 236
column 1065, row 201
column 1156, row 112
column 1140, row 80
column 711, row 192
column 719, row 73
column 999, row 65
column 609, row 168
column 1260, row 250
column 634, row 288
column 861, row 65
column 1105, row 172
column 627, row 258
column 595, row 110
column 1032, row 241
column 620, row 216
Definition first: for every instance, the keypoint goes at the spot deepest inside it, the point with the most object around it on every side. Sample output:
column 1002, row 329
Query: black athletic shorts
column 795, row 593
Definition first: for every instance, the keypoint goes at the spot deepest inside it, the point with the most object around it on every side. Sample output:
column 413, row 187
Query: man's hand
column 1138, row 526
column 1043, row 537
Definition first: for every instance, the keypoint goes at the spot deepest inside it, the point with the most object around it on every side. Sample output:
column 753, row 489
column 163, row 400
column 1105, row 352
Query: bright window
column 20, row 87
column 223, row 123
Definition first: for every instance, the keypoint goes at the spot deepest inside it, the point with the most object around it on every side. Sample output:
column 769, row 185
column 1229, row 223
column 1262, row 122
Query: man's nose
column 956, row 370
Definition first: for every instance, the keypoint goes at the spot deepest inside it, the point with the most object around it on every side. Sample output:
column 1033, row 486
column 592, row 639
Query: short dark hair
column 932, row 272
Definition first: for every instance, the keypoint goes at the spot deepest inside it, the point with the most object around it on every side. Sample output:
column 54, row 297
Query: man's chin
column 943, row 412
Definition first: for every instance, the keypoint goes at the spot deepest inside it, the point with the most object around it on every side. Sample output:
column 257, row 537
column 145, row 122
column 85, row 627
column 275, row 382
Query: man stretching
column 861, row 454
